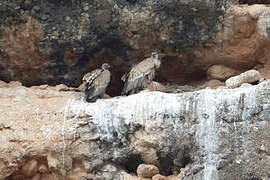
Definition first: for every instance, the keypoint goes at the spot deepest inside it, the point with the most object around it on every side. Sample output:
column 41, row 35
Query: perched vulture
column 141, row 75
column 95, row 83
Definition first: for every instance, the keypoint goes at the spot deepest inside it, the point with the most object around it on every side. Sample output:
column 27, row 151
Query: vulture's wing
column 137, row 74
column 91, row 76
column 98, row 86
column 101, row 82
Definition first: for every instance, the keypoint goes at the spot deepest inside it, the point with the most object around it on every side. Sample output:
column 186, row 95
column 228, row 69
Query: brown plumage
column 141, row 75
column 95, row 83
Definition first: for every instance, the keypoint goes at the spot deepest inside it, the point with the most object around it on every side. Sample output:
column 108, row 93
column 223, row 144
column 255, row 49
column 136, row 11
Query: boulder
column 220, row 72
column 251, row 76
column 147, row 170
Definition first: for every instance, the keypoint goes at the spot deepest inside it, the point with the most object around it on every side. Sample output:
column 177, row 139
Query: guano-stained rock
column 213, row 134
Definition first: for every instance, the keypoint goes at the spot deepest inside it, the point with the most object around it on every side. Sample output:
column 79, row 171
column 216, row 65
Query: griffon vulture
column 141, row 75
column 95, row 83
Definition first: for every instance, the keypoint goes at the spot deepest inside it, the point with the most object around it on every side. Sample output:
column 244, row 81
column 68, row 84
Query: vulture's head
column 105, row 66
column 156, row 59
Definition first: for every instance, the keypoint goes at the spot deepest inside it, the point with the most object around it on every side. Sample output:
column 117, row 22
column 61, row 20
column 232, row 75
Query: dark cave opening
column 131, row 163
column 174, row 70
column 166, row 165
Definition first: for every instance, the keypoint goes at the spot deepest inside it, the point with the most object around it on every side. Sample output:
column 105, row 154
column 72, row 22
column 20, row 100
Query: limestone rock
column 53, row 162
column 159, row 177
column 3, row 84
column 173, row 177
column 13, row 84
column 149, row 155
column 147, row 170
column 256, row 10
column 44, row 86
column 245, row 85
column 263, row 24
column 30, row 168
column 250, row 76
column 202, row 124
column 220, row 72
column 61, row 87
column 142, row 144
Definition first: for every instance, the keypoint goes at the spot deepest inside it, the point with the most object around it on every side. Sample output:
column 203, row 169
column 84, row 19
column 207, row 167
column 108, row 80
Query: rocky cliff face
column 56, row 42
column 51, row 132
column 52, row 42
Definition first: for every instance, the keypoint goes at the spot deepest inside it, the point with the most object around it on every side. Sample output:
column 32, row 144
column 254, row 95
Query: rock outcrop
column 48, row 130
column 251, row 76
column 52, row 42
column 58, row 41
column 205, row 134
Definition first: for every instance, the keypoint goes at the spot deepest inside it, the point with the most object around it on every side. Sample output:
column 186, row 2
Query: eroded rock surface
column 58, row 41
column 205, row 134
column 251, row 76
column 147, row 171
column 52, row 133
column 53, row 42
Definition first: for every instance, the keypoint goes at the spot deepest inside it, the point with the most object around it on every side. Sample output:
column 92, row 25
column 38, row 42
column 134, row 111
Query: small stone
column 43, row 87
column 45, row 17
column 43, row 169
column 155, row 86
column 159, row 177
column 30, row 168
column 263, row 148
column 238, row 160
column 61, row 87
column 13, row 84
column 67, row 18
column 147, row 170
column 53, row 162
